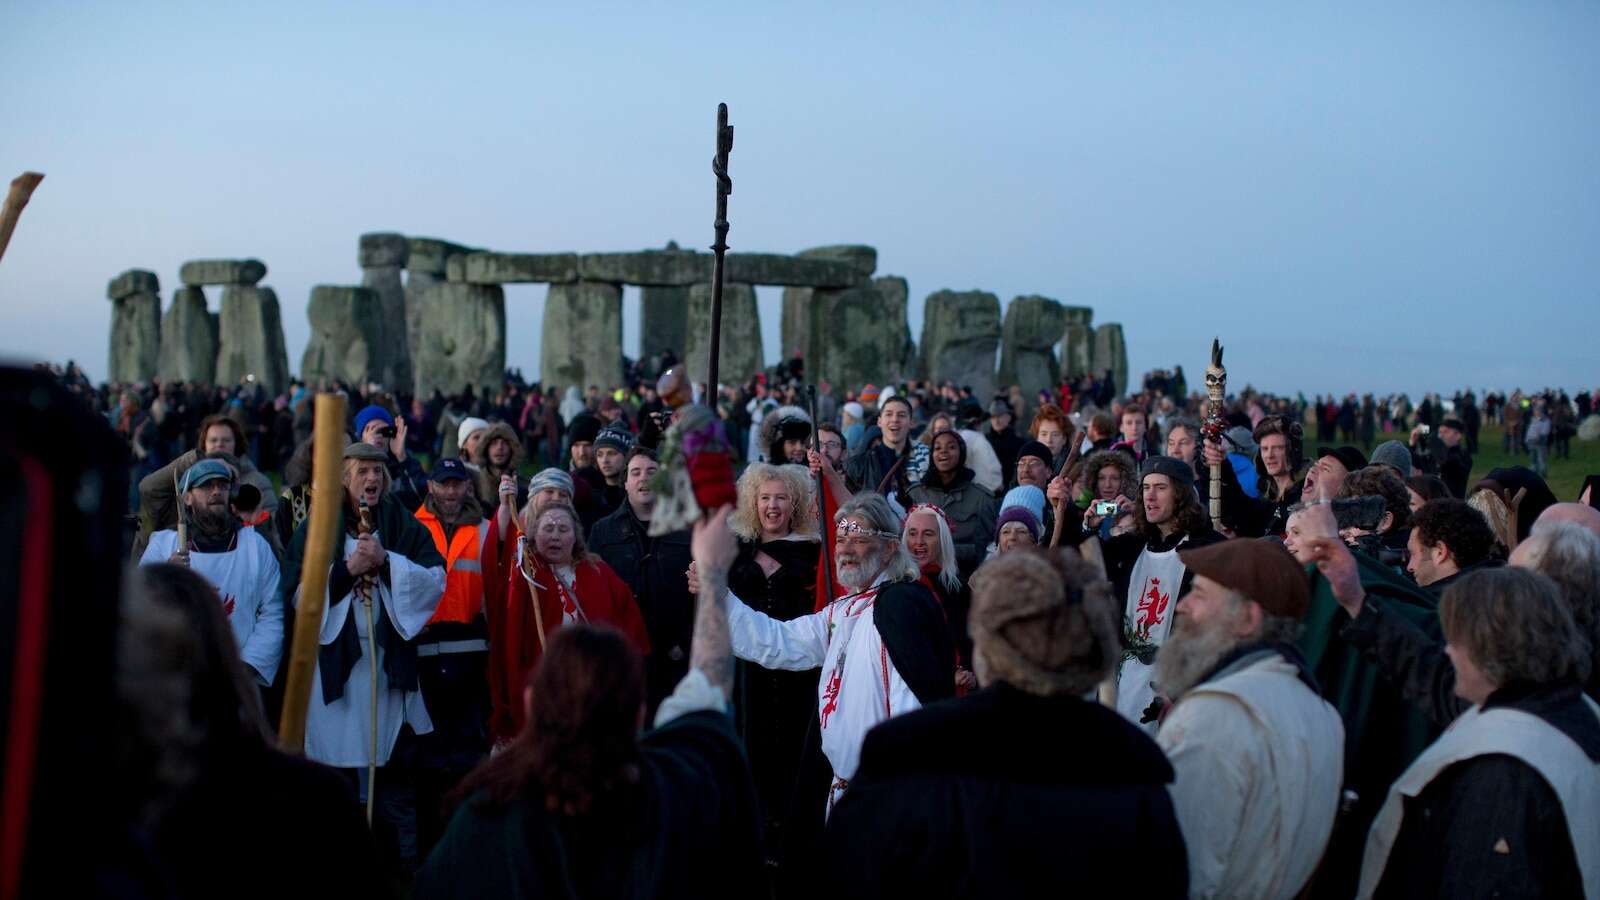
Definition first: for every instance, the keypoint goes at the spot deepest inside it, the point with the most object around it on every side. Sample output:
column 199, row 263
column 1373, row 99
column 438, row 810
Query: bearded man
column 1259, row 754
column 236, row 560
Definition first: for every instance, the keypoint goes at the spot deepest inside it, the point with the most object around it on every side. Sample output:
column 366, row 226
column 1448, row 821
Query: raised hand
column 397, row 444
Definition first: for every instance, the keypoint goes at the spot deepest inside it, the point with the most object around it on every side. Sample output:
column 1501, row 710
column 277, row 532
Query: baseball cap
column 206, row 470
column 449, row 469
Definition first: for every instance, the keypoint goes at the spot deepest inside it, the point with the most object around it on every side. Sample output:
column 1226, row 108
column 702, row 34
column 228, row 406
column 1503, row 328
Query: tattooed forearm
column 712, row 650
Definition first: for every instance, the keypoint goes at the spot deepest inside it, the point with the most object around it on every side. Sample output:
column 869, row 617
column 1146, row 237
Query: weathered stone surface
column 581, row 342
column 1033, row 326
column 960, row 332
column 462, row 337
column 791, row 271
column 896, row 295
column 1077, row 350
column 859, row 335
column 430, row 255
column 864, row 258
column 677, row 268
column 740, row 355
column 795, row 328
column 519, row 268
column 1111, row 352
column 188, row 338
column 250, row 338
column 416, row 284
column 200, row 272
column 1082, row 315
column 133, row 281
column 135, row 337
column 649, row 268
column 390, row 362
column 383, row 248
column 346, row 335
column 664, row 315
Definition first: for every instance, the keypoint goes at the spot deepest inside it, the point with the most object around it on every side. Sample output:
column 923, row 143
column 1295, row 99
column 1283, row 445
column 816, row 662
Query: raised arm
column 711, row 651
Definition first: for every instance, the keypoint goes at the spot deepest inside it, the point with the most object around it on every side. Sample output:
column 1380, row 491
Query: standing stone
column 581, row 342
column 347, row 330
column 1033, row 326
column 1077, row 341
column 741, row 354
column 461, row 338
column 664, row 315
column 859, row 335
column 960, row 332
column 381, row 256
column 427, row 261
column 189, row 338
column 135, row 326
column 1111, row 352
column 795, row 329
column 250, row 338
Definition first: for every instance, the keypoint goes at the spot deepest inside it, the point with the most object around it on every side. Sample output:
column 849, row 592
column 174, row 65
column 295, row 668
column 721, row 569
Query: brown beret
column 1259, row 569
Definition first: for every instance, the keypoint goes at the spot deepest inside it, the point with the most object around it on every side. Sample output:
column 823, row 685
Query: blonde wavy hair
column 796, row 480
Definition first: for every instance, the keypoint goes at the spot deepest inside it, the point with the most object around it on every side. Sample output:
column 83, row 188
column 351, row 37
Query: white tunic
column 859, row 686
column 339, row 733
column 1571, row 774
column 1153, row 590
column 1259, row 760
column 246, row 578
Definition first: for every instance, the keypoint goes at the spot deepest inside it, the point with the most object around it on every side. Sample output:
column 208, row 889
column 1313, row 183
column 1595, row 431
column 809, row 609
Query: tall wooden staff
column 719, row 249
column 1216, row 390
column 21, row 191
column 322, row 528
column 367, row 588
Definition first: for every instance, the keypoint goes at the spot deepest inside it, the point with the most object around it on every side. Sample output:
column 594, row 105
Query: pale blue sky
column 1355, row 196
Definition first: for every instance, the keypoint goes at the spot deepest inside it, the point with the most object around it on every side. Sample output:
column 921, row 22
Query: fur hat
column 783, row 424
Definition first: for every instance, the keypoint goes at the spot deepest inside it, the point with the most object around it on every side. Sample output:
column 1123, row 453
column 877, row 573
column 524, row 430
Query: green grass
column 1565, row 477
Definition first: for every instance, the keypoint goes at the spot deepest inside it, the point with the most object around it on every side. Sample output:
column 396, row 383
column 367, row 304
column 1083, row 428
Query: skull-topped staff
column 1216, row 391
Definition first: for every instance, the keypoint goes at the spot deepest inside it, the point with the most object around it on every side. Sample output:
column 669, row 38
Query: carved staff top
column 1216, row 392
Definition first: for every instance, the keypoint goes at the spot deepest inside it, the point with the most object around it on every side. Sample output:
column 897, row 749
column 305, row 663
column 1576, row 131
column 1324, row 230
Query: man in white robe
column 883, row 650
column 237, row 561
column 398, row 567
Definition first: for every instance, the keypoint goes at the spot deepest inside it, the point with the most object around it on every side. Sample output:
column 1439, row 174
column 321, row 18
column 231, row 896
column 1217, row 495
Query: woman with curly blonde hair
column 775, row 572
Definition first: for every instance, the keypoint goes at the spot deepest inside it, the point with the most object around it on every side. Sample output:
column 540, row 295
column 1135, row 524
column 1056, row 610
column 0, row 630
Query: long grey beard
column 859, row 578
column 1189, row 653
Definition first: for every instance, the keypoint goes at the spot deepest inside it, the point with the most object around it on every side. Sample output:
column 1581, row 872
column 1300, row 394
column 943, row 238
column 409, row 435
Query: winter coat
column 1006, row 794
column 656, row 570
column 486, row 480
column 972, row 513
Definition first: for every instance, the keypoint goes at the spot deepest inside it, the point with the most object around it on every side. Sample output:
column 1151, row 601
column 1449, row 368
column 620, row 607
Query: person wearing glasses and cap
column 236, row 560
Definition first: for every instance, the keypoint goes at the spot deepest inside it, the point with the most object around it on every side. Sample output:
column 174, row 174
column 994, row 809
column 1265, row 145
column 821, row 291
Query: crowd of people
column 937, row 644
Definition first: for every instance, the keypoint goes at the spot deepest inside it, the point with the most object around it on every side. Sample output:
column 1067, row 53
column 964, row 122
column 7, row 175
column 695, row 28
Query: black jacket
column 1491, row 826
column 1006, row 794
column 656, row 570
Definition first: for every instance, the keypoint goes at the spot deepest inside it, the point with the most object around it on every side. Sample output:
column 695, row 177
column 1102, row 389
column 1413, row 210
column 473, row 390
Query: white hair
column 874, row 510
column 949, row 575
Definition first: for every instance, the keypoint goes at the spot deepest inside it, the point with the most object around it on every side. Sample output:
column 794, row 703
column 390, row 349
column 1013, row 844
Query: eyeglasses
column 829, row 446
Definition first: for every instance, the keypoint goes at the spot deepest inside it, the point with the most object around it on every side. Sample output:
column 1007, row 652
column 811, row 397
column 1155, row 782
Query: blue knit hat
column 370, row 413
column 1026, row 496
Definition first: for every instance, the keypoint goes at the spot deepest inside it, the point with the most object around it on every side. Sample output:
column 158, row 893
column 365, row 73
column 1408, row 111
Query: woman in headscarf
column 948, row 485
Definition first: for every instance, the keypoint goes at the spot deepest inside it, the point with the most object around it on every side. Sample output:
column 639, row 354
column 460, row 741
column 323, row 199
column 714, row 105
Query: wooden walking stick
column 366, row 587
column 824, row 527
column 719, row 248
column 1061, row 505
column 322, row 530
column 21, row 191
column 183, row 523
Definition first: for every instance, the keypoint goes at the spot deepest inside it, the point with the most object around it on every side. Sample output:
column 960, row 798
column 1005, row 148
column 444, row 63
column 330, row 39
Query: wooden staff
column 366, row 587
column 525, row 552
column 21, row 191
column 322, row 530
column 824, row 527
column 1061, row 505
column 183, row 524
column 719, row 248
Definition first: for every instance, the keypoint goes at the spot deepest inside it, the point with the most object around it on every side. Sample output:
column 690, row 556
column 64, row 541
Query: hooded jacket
column 486, row 480
column 781, row 424
column 971, row 509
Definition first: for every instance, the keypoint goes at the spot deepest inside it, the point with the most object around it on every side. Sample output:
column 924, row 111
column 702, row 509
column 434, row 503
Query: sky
column 1353, row 196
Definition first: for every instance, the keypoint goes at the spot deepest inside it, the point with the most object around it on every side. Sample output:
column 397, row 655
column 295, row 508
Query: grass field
column 1565, row 477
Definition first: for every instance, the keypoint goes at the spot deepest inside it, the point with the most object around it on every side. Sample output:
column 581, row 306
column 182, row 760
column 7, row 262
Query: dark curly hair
column 1381, row 481
column 1460, row 527
column 1189, row 516
column 1294, row 435
column 1428, row 487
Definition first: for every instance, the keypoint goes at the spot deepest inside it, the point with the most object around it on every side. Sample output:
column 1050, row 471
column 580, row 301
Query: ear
column 1440, row 553
column 1250, row 622
column 1386, row 521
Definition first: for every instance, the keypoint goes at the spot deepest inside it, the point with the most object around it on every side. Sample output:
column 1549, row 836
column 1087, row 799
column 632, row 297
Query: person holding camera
column 236, row 560
column 376, row 426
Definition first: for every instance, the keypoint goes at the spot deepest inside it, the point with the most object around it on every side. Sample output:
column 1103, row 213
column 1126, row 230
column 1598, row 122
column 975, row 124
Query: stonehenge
column 135, row 297
column 429, row 314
